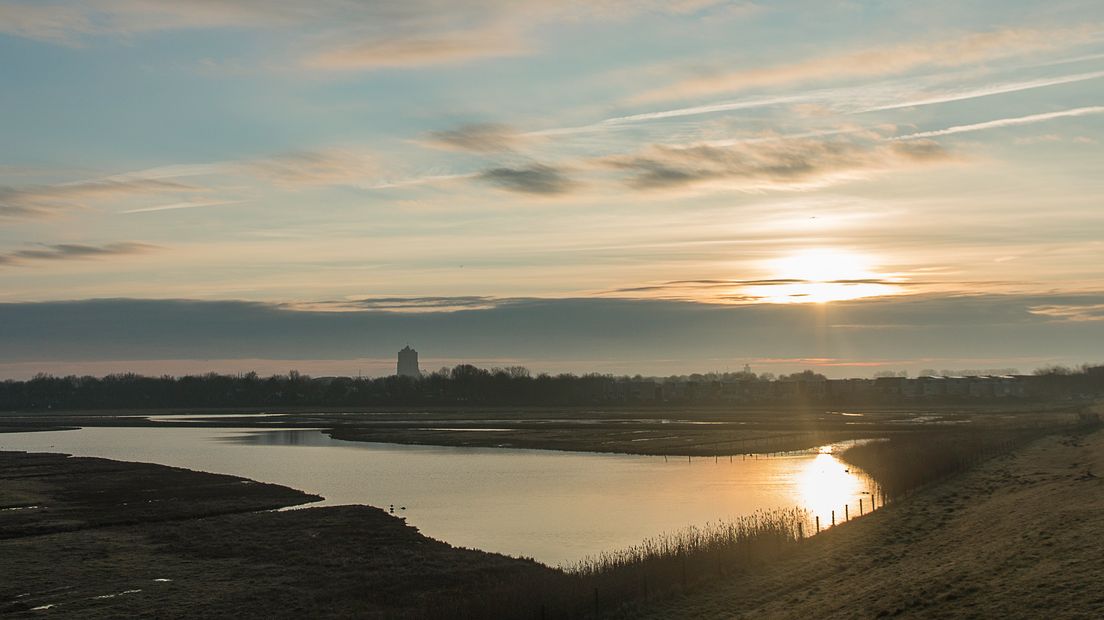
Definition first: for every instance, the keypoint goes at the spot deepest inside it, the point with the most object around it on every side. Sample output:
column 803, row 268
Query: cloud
column 850, row 100
column 707, row 285
column 780, row 162
column 477, row 138
column 533, row 179
column 74, row 251
column 638, row 335
column 306, row 168
column 68, row 23
column 406, row 304
column 987, row 91
column 1071, row 312
column 333, row 34
column 770, row 290
column 329, row 167
column 41, row 200
column 1050, row 137
column 183, row 205
column 787, row 164
column 414, row 52
column 878, row 61
column 1004, row 122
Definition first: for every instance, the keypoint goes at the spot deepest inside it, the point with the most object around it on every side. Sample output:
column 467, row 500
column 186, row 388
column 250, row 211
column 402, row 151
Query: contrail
column 995, row 89
column 829, row 96
column 183, row 205
column 728, row 106
column 418, row 180
column 1003, row 122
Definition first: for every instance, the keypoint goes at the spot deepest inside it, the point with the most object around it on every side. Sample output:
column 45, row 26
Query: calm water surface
column 556, row 507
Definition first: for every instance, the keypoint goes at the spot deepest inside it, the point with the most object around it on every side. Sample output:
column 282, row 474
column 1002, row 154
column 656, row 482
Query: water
column 556, row 507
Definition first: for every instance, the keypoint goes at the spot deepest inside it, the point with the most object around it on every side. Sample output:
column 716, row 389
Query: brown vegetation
column 650, row 570
column 1015, row 537
column 904, row 462
column 108, row 539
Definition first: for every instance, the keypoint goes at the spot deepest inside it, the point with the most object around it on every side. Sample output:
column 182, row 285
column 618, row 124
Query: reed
column 655, row 567
column 907, row 461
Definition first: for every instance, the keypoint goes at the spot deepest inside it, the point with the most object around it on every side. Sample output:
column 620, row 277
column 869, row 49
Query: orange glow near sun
column 822, row 275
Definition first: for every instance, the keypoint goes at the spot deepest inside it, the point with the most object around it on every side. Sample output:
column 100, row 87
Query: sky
column 655, row 187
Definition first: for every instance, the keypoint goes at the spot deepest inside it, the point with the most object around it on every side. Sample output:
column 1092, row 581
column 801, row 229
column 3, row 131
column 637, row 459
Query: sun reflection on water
column 826, row 484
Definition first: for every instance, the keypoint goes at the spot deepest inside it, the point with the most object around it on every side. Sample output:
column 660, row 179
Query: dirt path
column 1020, row 536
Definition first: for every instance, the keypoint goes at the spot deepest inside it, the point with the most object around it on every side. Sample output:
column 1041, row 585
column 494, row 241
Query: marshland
column 495, row 531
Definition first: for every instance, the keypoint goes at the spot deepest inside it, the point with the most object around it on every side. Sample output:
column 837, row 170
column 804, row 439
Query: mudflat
column 94, row 538
column 1016, row 537
column 655, row 430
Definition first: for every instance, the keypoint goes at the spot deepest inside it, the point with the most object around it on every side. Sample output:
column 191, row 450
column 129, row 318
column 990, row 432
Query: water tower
column 408, row 363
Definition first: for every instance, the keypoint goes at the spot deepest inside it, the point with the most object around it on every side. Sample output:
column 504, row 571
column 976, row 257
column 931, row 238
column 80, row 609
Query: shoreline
column 98, row 538
column 695, row 432
column 1016, row 536
column 214, row 548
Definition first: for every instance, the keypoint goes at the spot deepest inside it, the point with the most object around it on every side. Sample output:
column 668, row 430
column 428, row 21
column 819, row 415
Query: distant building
column 408, row 363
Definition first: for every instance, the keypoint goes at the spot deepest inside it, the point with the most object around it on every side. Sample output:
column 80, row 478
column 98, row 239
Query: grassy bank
column 1014, row 537
column 903, row 462
column 634, row 579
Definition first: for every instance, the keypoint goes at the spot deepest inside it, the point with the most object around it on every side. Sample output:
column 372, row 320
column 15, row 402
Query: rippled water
column 556, row 507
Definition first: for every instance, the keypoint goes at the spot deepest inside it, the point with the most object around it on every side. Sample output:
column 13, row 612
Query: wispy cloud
column 789, row 164
column 879, row 61
column 183, row 205
column 446, row 49
column 73, row 251
column 405, row 304
column 41, row 200
column 477, row 138
column 987, row 91
column 538, row 179
column 1004, row 122
column 419, row 180
column 846, row 100
column 333, row 34
column 1070, row 312
column 295, row 170
column 304, row 168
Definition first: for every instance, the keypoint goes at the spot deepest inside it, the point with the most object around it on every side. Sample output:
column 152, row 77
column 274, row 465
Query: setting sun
column 821, row 275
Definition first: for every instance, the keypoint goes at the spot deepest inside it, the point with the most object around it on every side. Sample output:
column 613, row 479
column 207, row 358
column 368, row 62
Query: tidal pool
column 556, row 507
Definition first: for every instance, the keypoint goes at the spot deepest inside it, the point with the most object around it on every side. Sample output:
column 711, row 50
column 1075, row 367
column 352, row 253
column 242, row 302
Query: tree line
column 460, row 385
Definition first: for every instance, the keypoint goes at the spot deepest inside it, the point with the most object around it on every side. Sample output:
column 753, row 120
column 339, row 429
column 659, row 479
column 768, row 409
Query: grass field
column 1016, row 537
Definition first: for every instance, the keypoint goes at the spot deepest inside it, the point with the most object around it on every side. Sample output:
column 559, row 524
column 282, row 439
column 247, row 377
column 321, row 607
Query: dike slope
column 1019, row 536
